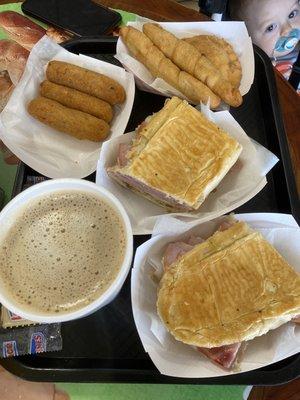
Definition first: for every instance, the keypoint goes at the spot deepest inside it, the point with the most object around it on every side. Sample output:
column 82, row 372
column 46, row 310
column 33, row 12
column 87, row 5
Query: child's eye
column 293, row 14
column 271, row 28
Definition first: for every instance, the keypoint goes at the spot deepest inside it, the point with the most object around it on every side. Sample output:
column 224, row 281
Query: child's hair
column 236, row 9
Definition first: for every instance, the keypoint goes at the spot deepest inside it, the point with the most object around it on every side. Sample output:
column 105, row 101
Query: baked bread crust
column 180, row 153
column 195, row 63
column 231, row 288
column 221, row 54
column 160, row 66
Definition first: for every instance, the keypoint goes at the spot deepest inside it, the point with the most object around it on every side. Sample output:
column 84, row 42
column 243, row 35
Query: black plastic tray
column 105, row 346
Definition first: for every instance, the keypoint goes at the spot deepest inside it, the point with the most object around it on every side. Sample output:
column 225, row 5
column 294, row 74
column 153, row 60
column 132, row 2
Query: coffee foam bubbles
column 63, row 251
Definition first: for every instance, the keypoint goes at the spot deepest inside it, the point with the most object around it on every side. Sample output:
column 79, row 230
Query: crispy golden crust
column 141, row 48
column 86, row 81
column 185, row 156
column 75, row 99
column 73, row 122
column 221, row 54
column 231, row 288
column 235, row 65
column 188, row 59
column 157, row 120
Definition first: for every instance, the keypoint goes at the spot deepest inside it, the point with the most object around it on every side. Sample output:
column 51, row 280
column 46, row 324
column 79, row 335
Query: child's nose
column 286, row 28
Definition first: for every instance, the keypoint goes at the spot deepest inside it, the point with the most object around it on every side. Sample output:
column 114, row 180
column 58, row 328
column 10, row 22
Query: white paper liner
column 241, row 183
column 234, row 32
column 176, row 359
column 52, row 153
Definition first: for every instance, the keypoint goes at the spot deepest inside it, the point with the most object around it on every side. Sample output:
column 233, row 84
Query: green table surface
column 90, row 391
column 116, row 391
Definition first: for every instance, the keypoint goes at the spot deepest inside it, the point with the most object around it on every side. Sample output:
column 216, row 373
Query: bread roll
column 86, row 81
column 6, row 88
column 75, row 123
column 58, row 35
column 13, row 58
column 27, row 33
column 75, row 99
column 21, row 29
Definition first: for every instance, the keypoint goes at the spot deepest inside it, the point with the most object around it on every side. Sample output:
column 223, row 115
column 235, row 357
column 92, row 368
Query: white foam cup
column 8, row 217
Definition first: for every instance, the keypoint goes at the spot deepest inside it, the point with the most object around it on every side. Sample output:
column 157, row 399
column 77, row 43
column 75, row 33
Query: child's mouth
column 289, row 42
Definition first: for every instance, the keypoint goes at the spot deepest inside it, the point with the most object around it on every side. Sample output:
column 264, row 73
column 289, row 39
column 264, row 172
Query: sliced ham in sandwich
column 177, row 157
column 205, row 298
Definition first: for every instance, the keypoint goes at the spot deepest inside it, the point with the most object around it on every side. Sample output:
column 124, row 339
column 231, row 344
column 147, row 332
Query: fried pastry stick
column 75, row 123
column 221, row 54
column 77, row 100
column 187, row 58
column 141, row 47
column 86, row 81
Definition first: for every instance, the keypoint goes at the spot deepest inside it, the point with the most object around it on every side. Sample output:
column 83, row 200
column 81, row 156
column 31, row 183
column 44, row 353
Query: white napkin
column 241, row 183
column 52, row 153
column 174, row 358
column 234, row 32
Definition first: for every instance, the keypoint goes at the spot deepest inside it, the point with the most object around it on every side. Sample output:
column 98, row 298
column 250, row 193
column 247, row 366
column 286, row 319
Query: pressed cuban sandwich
column 219, row 293
column 177, row 157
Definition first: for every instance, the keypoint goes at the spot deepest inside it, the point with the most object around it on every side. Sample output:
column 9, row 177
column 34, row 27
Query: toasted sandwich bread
column 231, row 288
column 178, row 157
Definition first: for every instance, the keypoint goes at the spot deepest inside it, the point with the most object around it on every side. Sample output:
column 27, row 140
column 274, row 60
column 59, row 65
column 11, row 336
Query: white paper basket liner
column 235, row 32
column 242, row 183
column 176, row 359
column 52, row 153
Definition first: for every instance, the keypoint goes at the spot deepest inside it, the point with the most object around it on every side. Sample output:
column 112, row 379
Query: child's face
column 268, row 20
